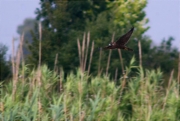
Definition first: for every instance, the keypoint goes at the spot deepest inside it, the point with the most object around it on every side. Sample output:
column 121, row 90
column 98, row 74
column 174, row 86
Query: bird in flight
column 121, row 42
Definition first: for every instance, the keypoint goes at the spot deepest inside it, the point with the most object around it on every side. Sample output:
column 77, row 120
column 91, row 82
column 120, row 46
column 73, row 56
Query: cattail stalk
column 55, row 62
column 91, row 55
column 99, row 64
column 16, row 69
column 39, row 70
column 79, row 52
column 168, row 88
column 83, row 49
column 87, row 48
column 140, row 54
column 109, row 57
column 116, row 73
column 12, row 60
column 40, row 37
column 61, row 80
column 22, row 57
column 121, row 59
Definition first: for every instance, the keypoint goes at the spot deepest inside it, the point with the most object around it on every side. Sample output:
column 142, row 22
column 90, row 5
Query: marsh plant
column 46, row 95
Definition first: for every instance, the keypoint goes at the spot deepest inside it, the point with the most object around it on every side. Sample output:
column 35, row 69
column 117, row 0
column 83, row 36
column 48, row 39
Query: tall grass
column 46, row 95
column 141, row 98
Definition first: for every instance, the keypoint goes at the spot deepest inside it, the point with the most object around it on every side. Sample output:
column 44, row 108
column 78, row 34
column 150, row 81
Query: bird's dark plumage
column 121, row 42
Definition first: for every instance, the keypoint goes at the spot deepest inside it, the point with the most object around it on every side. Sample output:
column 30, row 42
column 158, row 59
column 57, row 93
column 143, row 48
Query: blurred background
column 156, row 26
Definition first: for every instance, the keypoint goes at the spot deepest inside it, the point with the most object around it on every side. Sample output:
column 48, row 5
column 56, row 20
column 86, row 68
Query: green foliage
column 4, row 64
column 84, row 97
column 64, row 22
column 165, row 56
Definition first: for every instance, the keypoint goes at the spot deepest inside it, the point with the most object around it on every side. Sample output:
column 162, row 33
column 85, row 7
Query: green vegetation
column 61, row 75
column 4, row 65
column 44, row 95
column 65, row 22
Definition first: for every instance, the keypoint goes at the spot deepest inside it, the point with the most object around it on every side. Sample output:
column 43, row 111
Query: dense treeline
column 5, row 71
column 64, row 22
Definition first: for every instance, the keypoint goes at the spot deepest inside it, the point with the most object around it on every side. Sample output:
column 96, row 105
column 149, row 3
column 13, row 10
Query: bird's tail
column 128, row 49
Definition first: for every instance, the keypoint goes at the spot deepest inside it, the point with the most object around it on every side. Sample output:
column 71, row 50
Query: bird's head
column 111, row 44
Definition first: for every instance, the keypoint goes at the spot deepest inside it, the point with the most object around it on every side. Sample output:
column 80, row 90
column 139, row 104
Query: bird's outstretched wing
column 124, row 39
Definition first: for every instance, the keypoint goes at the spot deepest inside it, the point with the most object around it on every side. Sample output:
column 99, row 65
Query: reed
column 12, row 60
column 99, row 62
column 22, row 57
column 91, row 55
column 40, row 39
column 16, row 65
column 140, row 53
column 83, row 52
column 87, row 48
column 168, row 88
column 61, row 80
column 39, row 74
column 109, row 56
column 79, row 53
column 142, row 93
column 116, row 74
column 55, row 63
column 121, row 60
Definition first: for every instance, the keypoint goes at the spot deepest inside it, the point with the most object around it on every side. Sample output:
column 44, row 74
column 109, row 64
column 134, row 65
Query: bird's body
column 121, row 42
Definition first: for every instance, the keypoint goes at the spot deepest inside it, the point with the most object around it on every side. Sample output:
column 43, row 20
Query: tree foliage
column 63, row 22
column 4, row 65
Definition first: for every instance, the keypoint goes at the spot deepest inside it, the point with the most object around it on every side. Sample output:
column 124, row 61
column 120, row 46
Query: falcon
column 121, row 42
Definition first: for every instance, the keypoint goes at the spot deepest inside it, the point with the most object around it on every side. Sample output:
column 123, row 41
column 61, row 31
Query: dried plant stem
column 91, row 55
column 123, row 84
column 121, row 59
column 40, row 37
column 116, row 73
column 168, row 88
column 40, row 49
column 87, row 47
column 107, row 67
column 140, row 53
column 99, row 64
column 39, row 109
column 83, row 49
column 61, row 79
column 80, row 90
column 55, row 62
column 39, row 70
column 21, row 54
column 1, row 107
column 79, row 52
column 65, row 107
column 16, row 70
column 83, row 52
column 109, row 57
column 17, row 64
column 12, row 60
